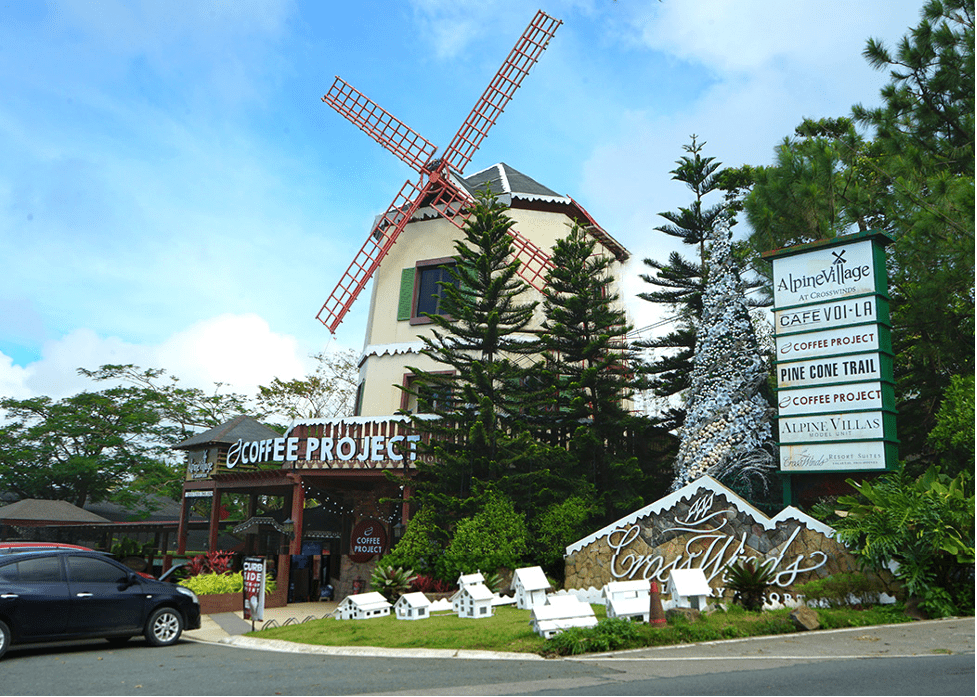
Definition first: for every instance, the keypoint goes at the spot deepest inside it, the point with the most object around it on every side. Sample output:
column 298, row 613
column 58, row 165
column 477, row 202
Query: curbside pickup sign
column 835, row 387
column 254, row 588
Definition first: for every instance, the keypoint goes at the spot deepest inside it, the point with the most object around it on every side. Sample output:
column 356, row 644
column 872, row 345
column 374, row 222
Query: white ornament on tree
column 727, row 425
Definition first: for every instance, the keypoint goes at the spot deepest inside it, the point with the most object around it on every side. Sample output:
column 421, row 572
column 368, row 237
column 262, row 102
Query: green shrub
column 215, row 584
column 494, row 537
column 421, row 547
column 926, row 526
column 608, row 635
column 843, row 589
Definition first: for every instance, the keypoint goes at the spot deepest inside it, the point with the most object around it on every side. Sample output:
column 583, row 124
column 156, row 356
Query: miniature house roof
column 367, row 600
column 468, row 579
column 478, row 592
column 689, row 582
column 615, row 587
column 531, row 578
column 413, row 600
column 567, row 607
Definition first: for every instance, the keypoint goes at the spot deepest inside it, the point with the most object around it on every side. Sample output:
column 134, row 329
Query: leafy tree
column 913, row 176
column 495, row 537
column 329, row 392
column 184, row 409
column 953, row 436
column 727, row 430
column 88, row 447
column 925, row 525
column 480, row 434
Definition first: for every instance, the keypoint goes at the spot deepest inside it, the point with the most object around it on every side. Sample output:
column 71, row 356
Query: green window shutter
column 406, row 303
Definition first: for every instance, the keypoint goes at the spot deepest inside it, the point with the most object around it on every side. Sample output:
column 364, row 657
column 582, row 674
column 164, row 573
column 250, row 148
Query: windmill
column 439, row 185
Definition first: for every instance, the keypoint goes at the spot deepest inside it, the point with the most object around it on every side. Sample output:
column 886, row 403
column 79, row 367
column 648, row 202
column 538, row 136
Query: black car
column 74, row 594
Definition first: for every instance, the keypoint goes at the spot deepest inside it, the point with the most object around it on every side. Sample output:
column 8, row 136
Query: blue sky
column 174, row 194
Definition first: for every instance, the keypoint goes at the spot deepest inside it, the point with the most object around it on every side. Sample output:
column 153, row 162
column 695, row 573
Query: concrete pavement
column 931, row 637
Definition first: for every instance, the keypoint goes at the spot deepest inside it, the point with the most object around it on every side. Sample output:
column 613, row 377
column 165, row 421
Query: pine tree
column 590, row 370
column 680, row 281
column 479, row 435
column 727, row 427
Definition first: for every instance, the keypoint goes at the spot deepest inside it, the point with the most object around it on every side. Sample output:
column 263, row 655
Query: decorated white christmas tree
column 727, row 426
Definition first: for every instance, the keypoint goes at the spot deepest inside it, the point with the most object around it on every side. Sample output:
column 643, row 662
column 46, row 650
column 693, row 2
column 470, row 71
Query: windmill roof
column 239, row 428
column 507, row 182
column 503, row 179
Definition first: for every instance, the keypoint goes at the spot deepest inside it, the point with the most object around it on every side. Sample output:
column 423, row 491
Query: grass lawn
column 508, row 629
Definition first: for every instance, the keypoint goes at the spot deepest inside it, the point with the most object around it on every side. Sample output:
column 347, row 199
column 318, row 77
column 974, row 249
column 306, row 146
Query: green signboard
column 835, row 387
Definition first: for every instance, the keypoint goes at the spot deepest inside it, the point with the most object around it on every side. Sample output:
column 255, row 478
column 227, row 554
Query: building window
column 432, row 397
column 421, row 290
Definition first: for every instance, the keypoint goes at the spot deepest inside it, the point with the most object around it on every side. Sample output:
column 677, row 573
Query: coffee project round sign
column 369, row 539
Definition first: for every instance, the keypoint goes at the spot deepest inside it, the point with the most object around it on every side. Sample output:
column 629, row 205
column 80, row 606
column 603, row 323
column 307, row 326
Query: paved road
column 919, row 658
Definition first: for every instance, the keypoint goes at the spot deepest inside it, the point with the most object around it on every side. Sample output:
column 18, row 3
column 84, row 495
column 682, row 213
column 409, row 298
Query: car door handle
column 7, row 596
column 83, row 595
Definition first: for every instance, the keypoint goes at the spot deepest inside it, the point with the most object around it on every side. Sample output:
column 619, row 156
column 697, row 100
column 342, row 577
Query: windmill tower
column 413, row 240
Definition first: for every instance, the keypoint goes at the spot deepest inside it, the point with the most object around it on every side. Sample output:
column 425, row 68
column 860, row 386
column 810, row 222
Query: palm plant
column 749, row 582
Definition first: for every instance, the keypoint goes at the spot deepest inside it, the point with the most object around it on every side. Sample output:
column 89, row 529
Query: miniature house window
column 420, row 289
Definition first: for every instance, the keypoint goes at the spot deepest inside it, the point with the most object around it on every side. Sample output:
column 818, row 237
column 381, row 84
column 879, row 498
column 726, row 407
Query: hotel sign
column 835, row 389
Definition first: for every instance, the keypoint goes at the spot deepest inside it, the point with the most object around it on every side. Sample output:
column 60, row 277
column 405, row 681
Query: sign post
column 254, row 589
column 835, row 385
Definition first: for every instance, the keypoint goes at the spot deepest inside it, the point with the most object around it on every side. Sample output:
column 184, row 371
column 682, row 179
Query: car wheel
column 164, row 627
column 4, row 638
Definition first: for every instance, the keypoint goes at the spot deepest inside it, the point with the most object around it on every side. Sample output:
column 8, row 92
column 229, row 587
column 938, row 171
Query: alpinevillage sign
column 836, row 396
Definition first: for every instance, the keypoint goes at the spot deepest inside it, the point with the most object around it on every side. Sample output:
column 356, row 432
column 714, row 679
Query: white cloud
column 240, row 351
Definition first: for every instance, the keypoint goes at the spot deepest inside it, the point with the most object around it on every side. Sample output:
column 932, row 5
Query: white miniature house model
column 363, row 606
column 530, row 585
column 473, row 601
column 688, row 588
column 628, row 599
column 470, row 579
column 561, row 612
column 412, row 606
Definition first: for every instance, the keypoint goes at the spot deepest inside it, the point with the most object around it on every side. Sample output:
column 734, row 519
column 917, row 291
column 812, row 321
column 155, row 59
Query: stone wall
column 707, row 526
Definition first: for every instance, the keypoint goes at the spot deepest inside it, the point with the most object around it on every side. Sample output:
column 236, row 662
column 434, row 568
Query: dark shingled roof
column 238, row 428
column 48, row 511
column 503, row 179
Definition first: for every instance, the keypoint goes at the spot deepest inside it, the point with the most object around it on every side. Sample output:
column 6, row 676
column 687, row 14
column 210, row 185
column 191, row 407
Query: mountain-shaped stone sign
column 706, row 525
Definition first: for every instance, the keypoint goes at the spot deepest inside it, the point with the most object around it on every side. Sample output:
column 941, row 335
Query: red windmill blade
column 486, row 111
column 435, row 188
column 379, row 124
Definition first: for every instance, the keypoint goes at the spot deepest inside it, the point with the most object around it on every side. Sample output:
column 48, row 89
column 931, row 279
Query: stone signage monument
column 706, row 526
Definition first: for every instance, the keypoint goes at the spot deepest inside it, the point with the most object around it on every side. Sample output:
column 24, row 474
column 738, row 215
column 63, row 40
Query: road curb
column 245, row 642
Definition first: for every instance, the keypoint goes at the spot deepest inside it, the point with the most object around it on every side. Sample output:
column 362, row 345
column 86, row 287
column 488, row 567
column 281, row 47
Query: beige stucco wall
column 390, row 344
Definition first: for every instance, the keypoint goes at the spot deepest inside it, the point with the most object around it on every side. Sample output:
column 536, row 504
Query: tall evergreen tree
column 727, row 426
column 679, row 281
column 479, row 336
column 590, row 370
column 912, row 176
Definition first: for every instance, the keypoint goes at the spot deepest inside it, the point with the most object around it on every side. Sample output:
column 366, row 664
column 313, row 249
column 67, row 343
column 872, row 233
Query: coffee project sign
column 369, row 539
column 836, row 394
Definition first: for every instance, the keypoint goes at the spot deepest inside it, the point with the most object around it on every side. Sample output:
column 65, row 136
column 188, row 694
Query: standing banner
column 254, row 588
